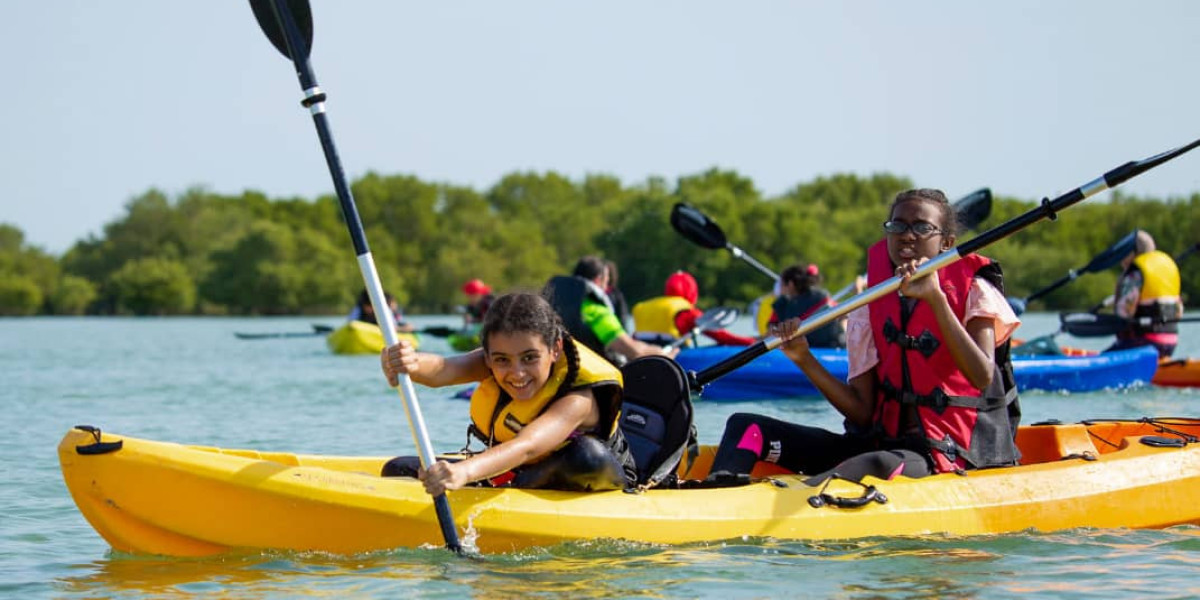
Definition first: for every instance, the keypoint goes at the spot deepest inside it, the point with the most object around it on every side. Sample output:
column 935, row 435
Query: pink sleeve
column 986, row 302
column 860, row 344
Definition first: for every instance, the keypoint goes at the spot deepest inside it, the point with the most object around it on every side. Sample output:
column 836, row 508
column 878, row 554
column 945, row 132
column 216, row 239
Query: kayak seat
column 656, row 418
column 1049, row 443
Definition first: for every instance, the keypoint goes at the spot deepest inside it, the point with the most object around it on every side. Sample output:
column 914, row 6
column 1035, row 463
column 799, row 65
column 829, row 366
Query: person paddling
column 479, row 298
column 929, row 387
column 364, row 311
column 801, row 295
column 587, row 312
column 546, row 408
column 664, row 319
column 1148, row 295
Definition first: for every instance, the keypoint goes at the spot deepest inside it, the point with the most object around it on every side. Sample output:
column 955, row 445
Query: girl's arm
column 566, row 415
column 433, row 370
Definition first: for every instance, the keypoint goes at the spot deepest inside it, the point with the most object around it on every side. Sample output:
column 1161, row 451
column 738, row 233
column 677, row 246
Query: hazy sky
column 106, row 100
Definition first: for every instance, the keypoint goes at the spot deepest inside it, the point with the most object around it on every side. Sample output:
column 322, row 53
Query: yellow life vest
column 497, row 421
column 657, row 315
column 763, row 312
column 1160, row 276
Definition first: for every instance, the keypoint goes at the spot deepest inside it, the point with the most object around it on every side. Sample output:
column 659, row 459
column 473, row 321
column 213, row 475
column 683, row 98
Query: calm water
column 191, row 380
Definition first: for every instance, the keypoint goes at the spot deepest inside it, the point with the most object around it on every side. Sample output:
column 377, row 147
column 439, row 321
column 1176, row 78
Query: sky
column 107, row 100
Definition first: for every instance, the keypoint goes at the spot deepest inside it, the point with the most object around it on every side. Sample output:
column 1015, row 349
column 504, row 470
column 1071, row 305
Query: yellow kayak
column 171, row 499
column 358, row 337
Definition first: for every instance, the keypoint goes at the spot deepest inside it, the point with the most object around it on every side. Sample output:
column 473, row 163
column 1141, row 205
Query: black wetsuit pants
column 749, row 438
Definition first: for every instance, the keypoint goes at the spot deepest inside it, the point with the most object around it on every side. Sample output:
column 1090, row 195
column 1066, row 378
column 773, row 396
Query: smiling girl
column 929, row 385
column 546, row 407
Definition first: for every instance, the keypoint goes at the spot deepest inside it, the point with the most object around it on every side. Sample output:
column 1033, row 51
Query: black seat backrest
column 656, row 417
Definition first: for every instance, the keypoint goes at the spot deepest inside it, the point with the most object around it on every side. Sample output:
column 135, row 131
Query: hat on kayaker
column 476, row 287
column 812, row 269
column 682, row 284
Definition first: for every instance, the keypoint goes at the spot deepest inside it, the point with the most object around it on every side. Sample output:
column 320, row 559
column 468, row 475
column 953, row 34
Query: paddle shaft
column 314, row 101
column 706, row 321
column 739, row 253
column 1047, row 210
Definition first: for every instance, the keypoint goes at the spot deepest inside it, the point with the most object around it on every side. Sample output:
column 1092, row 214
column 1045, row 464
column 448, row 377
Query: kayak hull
column 164, row 498
column 358, row 337
column 1183, row 372
column 773, row 375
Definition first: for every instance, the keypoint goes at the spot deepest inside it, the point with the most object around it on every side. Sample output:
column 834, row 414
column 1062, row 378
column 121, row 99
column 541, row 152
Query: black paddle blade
column 696, row 226
column 440, row 331
column 264, row 13
column 974, row 208
column 1113, row 255
column 1091, row 325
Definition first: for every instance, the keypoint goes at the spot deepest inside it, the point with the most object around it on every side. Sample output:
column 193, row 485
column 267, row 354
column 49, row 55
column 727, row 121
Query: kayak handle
column 97, row 447
column 870, row 494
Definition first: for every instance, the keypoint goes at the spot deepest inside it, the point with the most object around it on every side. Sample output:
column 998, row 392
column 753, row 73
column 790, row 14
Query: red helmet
column 476, row 287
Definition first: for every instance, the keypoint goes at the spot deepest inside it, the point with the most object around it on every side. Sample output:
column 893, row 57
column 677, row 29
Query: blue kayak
column 773, row 375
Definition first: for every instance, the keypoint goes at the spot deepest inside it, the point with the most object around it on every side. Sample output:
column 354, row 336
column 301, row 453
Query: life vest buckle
column 926, row 343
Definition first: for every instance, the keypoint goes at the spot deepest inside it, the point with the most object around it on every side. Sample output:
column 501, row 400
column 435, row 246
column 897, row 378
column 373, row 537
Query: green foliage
column 73, row 296
column 250, row 254
column 153, row 286
column 20, row 296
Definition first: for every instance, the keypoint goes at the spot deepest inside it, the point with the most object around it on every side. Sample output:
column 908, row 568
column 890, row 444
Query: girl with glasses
column 930, row 385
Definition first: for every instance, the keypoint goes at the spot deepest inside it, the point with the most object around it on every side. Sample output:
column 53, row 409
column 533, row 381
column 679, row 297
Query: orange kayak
column 1178, row 372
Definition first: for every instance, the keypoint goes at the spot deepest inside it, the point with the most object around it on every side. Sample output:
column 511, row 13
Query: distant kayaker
column 546, row 406
column 365, row 312
column 801, row 296
column 663, row 319
column 929, row 385
column 479, row 298
column 587, row 313
column 1148, row 294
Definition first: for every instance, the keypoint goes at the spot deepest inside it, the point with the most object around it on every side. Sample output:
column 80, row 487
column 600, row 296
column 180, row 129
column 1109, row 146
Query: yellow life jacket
column 1160, row 276
column 497, row 418
column 763, row 312
column 657, row 315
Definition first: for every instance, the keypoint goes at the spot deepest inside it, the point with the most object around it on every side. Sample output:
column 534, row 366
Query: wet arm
column 549, row 430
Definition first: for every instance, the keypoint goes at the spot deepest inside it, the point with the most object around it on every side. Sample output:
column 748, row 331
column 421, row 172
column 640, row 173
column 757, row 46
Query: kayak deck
column 165, row 498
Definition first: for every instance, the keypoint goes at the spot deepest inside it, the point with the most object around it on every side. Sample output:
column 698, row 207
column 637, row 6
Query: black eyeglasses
column 921, row 229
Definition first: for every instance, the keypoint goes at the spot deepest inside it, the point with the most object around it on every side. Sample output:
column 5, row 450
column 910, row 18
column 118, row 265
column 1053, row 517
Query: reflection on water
column 1064, row 565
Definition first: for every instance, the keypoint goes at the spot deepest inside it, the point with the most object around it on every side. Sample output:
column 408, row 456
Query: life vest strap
column 939, row 400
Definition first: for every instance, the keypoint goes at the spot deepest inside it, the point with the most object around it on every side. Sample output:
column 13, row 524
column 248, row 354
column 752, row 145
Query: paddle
column 1086, row 324
column 1109, row 257
column 1047, row 210
column 317, row 330
column 704, row 232
column 972, row 210
column 713, row 318
column 440, row 331
column 288, row 25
